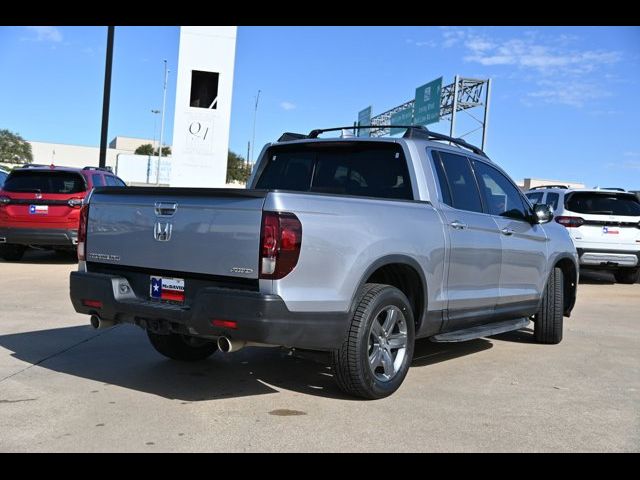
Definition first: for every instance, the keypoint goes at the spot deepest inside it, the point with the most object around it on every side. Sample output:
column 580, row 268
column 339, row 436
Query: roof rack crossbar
column 412, row 131
column 103, row 169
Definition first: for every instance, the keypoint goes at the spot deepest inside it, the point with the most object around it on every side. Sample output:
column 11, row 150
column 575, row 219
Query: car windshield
column 370, row 169
column 604, row 203
column 44, row 182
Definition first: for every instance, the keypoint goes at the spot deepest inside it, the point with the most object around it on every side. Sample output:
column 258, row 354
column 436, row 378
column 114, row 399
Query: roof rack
column 33, row 165
column 103, row 169
column 564, row 187
column 412, row 131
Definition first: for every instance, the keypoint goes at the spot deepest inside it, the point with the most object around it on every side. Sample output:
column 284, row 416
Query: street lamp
column 155, row 122
column 164, row 101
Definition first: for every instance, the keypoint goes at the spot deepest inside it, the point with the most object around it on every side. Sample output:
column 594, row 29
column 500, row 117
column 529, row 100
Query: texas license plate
column 167, row 288
column 38, row 209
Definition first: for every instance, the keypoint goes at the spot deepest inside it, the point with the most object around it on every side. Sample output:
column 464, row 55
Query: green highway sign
column 402, row 117
column 427, row 103
column 364, row 118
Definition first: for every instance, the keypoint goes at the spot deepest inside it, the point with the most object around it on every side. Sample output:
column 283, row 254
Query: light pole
column 164, row 101
column 155, row 122
column 253, row 137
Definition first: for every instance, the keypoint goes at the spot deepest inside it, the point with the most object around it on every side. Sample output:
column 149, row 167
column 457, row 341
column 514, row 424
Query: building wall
column 131, row 143
column 71, row 155
column 529, row 183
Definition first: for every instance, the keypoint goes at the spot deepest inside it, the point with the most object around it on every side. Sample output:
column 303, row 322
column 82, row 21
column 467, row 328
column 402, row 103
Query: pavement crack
column 19, row 400
column 56, row 354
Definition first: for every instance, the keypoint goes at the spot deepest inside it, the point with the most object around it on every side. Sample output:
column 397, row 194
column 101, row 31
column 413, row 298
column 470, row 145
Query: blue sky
column 564, row 99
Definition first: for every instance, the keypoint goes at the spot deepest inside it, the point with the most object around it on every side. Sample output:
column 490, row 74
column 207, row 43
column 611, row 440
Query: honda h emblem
column 162, row 231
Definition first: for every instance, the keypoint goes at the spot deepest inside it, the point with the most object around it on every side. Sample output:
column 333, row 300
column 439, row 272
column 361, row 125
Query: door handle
column 506, row 231
column 458, row 225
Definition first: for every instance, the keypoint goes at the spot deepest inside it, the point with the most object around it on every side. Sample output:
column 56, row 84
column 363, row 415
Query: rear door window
column 552, row 200
column 360, row 169
column 463, row 189
column 45, row 182
column 603, row 203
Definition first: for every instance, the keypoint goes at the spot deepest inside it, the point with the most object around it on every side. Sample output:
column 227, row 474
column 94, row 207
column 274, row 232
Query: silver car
column 352, row 246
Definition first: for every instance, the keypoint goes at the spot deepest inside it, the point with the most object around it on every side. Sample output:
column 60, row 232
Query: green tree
column 237, row 169
column 147, row 149
column 14, row 148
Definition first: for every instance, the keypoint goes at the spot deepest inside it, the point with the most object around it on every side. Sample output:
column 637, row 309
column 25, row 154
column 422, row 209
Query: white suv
column 604, row 226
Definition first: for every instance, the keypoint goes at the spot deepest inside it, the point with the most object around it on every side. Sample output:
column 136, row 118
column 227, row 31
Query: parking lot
column 67, row 387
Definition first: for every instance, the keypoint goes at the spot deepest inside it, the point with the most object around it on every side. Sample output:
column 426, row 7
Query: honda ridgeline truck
column 353, row 246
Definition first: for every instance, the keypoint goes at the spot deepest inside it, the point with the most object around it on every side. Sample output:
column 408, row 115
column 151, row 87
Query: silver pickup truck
column 353, row 246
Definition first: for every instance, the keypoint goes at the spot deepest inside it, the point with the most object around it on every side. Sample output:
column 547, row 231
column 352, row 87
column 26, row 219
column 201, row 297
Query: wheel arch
column 404, row 273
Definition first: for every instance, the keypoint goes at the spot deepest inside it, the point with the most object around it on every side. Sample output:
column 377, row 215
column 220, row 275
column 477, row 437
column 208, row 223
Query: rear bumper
column 598, row 258
column 260, row 318
column 39, row 236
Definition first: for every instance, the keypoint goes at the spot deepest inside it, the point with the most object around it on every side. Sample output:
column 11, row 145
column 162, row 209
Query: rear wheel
column 549, row 319
column 182, row 347
column 375, row 356
column 11, row 252
column 627, row 275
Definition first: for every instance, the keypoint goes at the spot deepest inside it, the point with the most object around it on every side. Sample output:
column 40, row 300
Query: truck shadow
column 594, row 277
column 123, row 357
column 47, row 257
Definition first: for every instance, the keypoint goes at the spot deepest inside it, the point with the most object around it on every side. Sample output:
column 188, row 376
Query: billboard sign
column 364, row 118
column 402, row 117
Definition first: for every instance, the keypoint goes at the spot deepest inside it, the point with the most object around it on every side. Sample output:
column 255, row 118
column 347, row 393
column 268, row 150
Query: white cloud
column 45, row 34
column 452, row 36
column 573, row 93
column 287, row 105
column 422, row 43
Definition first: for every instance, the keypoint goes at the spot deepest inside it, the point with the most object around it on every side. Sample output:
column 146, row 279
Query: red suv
column 40, row 206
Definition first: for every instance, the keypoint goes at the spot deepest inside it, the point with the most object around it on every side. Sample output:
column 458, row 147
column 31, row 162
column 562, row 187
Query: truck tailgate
column 206, row 231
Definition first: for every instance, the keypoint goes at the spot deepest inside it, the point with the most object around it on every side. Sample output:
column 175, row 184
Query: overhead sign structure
column 402, row 117
column 427, row 103
column 364, row 118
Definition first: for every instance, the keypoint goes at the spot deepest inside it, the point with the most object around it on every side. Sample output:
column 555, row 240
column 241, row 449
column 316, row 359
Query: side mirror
column 542, row 213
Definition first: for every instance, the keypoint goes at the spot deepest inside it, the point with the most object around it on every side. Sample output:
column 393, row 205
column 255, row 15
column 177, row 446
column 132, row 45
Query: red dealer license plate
column 168, row 289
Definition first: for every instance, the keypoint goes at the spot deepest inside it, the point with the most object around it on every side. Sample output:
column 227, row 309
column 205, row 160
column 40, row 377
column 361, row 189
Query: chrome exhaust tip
column 99, row 324
column 226, row 345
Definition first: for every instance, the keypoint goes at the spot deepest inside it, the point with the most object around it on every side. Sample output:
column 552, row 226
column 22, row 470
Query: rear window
column 597, row 203
column 114, row 181
column 45, row 182
column 369, row 170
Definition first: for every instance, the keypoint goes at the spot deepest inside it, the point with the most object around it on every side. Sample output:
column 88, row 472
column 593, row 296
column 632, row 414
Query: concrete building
column 80, row 155
column 529, row 183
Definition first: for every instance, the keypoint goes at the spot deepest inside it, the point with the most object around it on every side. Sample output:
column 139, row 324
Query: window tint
column 97, row 180
column 603, row 203
column 44, row 182
column 378, row 170
column 462, row 185
column 535, row 197
column 442, row 179
column 552, row 200
column 114, row 181
column 501, row 196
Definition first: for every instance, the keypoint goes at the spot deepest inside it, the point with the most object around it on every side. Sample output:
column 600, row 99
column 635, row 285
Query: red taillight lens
column 570, row 222
column 280, row 243
column 82, row 231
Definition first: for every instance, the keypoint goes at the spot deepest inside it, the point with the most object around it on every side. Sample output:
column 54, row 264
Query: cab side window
column 458, row 185
column 114, row 181
column 501, row 196
column 97, row 180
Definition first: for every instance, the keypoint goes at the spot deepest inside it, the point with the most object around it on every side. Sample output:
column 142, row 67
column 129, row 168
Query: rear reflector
column 224, row 323
column 92, row 303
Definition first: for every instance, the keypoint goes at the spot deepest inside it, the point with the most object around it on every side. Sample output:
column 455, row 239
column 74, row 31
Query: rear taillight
column 280, row 242
column 82, row 231
column 75, row 202
column 570, row 222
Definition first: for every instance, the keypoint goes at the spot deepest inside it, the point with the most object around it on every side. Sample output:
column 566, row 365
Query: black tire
column 548, row 320
column 351, row 361
column 182, row 347
column 627, row 275
column 11, row 252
